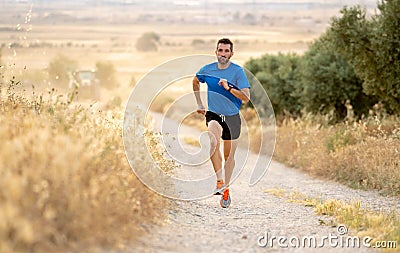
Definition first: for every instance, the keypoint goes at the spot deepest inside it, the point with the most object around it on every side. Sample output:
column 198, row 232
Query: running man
column 228, row 88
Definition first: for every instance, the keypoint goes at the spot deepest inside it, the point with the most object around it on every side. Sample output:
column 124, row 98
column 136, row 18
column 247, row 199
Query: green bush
column 59, row 70
column 372, row 46
column 106, row 74
column 328, row 81
column 278, row 75
column 148, row 42
column 352, row 66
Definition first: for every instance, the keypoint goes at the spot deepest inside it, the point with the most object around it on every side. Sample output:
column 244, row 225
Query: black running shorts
column 230, row 124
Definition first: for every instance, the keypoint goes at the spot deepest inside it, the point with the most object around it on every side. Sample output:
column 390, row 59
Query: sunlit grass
column 65, row 183
column 362, row 154
column 380, row 226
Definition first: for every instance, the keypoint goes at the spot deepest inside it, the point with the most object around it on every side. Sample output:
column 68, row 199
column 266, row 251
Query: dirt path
column 203, row 226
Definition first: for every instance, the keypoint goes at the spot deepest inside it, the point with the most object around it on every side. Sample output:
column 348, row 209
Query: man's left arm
column 243, row 94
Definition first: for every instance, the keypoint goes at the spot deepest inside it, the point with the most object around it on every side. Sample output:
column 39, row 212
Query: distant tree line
column 356, row 61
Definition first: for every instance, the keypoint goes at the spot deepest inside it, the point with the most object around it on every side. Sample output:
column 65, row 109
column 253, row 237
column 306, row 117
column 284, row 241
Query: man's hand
column 201, row 109
column 224, row 83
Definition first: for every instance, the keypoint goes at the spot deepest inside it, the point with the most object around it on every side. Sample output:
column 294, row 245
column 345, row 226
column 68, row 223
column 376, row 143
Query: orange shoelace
column 226, row 194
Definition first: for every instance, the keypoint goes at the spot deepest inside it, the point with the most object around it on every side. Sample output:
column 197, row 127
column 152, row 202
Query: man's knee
column 214, row 132
column 226, row 156
column 229, row 157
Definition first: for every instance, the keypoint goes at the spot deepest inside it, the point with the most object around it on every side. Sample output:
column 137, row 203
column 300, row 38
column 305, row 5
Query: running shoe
column 225, row 199
column 219, row 188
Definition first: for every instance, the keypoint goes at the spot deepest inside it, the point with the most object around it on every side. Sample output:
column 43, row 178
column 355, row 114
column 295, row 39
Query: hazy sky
column 344, row 2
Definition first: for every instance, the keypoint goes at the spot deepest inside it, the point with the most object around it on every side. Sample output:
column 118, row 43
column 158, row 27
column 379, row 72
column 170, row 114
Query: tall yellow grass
column 65, row 183
column 362, row 154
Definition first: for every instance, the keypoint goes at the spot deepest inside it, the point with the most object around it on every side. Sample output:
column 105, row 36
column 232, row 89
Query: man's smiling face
column 223, row 53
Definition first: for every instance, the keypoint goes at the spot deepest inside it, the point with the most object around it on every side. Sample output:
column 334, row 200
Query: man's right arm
column 196, row 90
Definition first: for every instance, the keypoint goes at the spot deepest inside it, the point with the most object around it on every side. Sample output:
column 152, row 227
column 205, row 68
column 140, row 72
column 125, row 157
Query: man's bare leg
column 214, row 133
column 230, row 147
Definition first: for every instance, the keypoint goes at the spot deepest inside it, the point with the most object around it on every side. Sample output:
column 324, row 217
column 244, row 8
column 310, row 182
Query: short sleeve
column 200, row 75
column 242, row 80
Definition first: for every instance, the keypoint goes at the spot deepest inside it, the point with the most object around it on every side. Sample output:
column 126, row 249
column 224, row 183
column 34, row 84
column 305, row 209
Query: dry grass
column 364, row 154
column 65, row 183
column 379, row 226
column 255, row 130
column 191, row 141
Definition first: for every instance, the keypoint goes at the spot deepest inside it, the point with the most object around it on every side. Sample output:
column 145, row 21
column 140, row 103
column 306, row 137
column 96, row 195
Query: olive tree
column 328, row 81
column 372, row 46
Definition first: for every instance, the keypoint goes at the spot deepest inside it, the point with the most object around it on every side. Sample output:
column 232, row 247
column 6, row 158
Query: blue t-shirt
column 221, row 101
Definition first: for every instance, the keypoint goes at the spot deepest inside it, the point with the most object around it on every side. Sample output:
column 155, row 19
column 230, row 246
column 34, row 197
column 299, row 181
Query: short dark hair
column 225, row 41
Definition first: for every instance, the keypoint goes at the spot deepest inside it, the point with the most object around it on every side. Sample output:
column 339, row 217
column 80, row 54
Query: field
column 42, row 129
column 32, row 35
column 31, row 41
